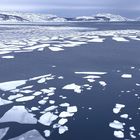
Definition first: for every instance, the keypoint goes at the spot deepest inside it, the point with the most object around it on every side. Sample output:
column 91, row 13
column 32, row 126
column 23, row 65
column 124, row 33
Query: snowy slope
column 28, row 17
column 105, row 17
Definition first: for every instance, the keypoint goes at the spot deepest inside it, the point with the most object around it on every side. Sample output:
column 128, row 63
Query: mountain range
column 20, row 17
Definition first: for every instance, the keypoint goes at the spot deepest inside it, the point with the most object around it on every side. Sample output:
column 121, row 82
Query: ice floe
column 126, row 76
column 118, row 108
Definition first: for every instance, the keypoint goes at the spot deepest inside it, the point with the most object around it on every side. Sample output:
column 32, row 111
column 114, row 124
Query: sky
column 72, row 8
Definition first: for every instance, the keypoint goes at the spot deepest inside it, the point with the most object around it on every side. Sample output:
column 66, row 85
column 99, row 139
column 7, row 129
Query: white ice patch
column 118, row 134
column 8, row 57
column 72, row 109
column 90, row 73
column 118, row 108
column 116, row 125
column 18, row 114
column 47, row 133
column 55, row 49
column 25, row 98
column 64, row 105
column 102, row 83
column 120, row 39
column 4, row 102
column 124, row 116
column 47, row 118
column 6, row 86
column 126, row 76
column 12, row 97
column 62, row 121
column 63, row 129
column 74, row 87
column 65, row 114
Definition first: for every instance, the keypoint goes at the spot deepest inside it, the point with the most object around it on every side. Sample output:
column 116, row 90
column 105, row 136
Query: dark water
column 109, row 57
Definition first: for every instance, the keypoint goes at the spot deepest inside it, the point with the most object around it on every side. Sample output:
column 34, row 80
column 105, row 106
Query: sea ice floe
column 47, row 118
column 120, row 39
column 124, row 116
column 6, row 86
column 62, row 129
column 119, row 134
column 55, row 49
column 72, row 109
column 12, row 97
column 116, row 125
column 8, row 57
column 64, row 105
column 62, row 121
column 47, row 133
column 94, row 73
column 42, row 80
column 4, row 102
column 51, row 108
column 102, row 83
column 25, row 98
column 132, row 128
column 65, row 114
column 19, row 114
column 118, row 108
column 126, row 76
column 74, row 87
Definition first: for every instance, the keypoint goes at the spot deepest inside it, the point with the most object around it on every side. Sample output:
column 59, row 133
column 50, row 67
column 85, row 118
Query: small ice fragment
column 116, row 125
column 72, row 109
column 118, row 108
column 47, row 133
column 126, row 76
column 25, row 98
column 94, row 73
column 56, row 49
column 8, row 57
column 125, row 116
column 42, row 80
column 47, row 118
column 63, row 129
column 119, row 134
column 64, row 105
column 6, row 86
column 102, row 83
column 65, row 114
column 74, row 87
column 132, row 128
column 62, row 121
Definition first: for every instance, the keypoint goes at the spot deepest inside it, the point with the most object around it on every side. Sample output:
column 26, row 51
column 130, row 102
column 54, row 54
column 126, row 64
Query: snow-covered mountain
column 105, row 17
column 20, row 17
column 28, row 17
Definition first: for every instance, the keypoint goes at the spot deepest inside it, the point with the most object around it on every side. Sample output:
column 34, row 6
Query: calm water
column 115, row 58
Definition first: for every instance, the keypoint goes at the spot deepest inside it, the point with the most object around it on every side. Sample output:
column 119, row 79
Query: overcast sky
column 129, row 8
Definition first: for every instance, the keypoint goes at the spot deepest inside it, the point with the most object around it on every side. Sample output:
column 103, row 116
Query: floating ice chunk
column 39, row 77
column 102, row 83
column 74, row 87
column 62, row 121
column 65, row 114
column 4, row 102
column 119, row 134
column 42, row 102
column 37, row 47
column 118, row 108
column 125, row 116
column 8, row 57
column 72, row 109
column 47, row 133
column 26, row 91
column 132, row 128
column 137, row 84
column 51, row 108
column 47, row 118
column 12, row 97
column 97, row 40
column 64, row 105
column 42, row 80
column 34, row 108
column 55, row 49
column 126, row 76
column 6, row 86
column 5, row 52
column 92, row 77
column 94, row 73
column 63, row 129
column 91, row 80
column 37, row 93
column 132, row 135
column 18, row 114
column 116, row 125
column 60, row 77
column 25, row 98
column 51, row 101
column 120, row 39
